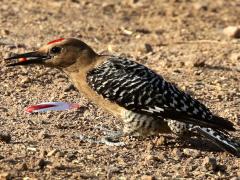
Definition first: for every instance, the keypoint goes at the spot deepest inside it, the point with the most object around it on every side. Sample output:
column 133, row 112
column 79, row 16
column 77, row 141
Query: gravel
column 183, row 41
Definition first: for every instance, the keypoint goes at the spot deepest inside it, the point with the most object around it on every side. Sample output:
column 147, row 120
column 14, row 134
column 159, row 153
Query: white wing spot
column 195, row 111
column 184, row 108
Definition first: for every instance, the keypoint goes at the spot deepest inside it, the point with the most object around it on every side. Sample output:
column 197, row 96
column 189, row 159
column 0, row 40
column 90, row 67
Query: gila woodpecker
column 145, row 102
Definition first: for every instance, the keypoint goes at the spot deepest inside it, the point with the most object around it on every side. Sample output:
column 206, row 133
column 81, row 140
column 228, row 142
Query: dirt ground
column 181, row 39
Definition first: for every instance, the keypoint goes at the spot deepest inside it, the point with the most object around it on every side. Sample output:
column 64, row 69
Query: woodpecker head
column 60, row 53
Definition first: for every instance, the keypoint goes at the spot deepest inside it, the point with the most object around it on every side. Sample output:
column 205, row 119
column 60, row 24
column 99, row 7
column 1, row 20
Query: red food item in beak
column 22, row 59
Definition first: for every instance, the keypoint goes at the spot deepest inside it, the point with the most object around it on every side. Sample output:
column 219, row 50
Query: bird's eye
column 55, row 50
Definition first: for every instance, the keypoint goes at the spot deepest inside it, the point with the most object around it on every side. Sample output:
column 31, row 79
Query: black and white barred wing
column 139, row 89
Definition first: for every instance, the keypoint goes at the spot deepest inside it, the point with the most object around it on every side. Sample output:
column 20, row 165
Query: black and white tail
column 222, row 140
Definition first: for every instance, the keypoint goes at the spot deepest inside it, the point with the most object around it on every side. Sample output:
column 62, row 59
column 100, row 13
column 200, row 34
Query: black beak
column 34, row 57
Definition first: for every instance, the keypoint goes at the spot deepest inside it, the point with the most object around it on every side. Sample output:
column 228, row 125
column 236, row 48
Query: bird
column 146, row 102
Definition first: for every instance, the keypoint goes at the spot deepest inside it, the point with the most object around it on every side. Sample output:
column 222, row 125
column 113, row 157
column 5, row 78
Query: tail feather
column 224, row 123
column 215, row 122
column 220, row 139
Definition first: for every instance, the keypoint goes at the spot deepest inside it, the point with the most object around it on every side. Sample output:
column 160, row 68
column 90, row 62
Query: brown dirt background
column 180, row 39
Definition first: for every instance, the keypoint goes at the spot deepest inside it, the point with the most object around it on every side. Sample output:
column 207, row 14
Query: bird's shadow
column 194, row 143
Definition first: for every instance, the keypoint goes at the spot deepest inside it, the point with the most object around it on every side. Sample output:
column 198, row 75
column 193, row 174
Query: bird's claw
column 105, row 140
column 108, row 141
column 108, row 132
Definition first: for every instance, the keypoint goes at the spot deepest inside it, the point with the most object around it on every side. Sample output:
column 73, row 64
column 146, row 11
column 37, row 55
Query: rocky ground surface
column 184, row 40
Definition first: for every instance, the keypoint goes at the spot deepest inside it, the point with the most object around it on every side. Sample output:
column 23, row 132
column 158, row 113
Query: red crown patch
column 56, row 40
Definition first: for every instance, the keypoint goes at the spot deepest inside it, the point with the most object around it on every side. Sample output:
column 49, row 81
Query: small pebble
column 200, row 6
column 143, row 30
column 25, row 80
column 43, row 134
column 43, row 153
column 32, row 149
column 162, row 156
column 22, row 167
column 210, row 164
column 176, row 154
column 59, row 154
column 235, row 56
column 5, row 137
column 59, row 166
column 161, row 141
column 191, row 152
column 232, row 31
column 5, row 32
column 199, row 63
column 148, row 48
column 234, row 178
column 113, row 169
column 5, row 175
column 126, row 31
column 70, row 87
column 42, row 163
column 151, row 158
column 147, row 177
column 52, row 153
column 70, row 157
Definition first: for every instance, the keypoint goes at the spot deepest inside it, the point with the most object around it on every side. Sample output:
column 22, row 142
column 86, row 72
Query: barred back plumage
column 154, row 105
column 139, row 89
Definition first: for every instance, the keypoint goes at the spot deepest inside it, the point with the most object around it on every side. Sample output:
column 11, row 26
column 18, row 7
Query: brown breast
column 79, row 80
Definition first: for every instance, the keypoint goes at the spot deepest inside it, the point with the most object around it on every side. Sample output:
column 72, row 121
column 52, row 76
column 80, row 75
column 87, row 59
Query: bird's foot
column 109, row 133
column 108, row 140
column 111, row 138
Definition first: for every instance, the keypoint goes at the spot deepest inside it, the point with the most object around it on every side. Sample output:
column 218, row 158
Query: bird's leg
column 111, row 137
column 186, row 133
column 111, row 141
column 182, row 131
column 105, row 140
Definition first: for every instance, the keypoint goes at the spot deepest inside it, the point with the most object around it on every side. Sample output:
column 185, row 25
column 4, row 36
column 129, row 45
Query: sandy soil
column 181, row 39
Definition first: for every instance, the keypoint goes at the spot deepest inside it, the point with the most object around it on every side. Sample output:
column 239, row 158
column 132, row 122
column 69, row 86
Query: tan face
column 60, row 53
